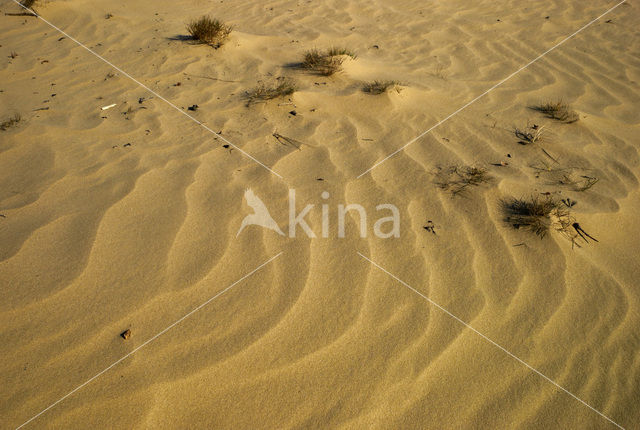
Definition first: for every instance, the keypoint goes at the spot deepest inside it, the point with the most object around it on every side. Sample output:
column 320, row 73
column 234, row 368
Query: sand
column 126, row 218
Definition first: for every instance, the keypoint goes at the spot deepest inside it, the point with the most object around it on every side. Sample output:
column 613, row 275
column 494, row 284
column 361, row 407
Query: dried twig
column 284, row 140
column 209, row 77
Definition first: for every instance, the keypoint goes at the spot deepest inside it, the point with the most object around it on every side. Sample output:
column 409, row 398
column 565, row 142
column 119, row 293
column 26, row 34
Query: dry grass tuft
column 11, row 122
column 533, row 214
column 456, row 179
column 208, row 30
column 541, row 215
column 529, row 134
column 379, row 87
column 559, row 110
column 335, row 52
column 26, row 4
column 283, row 86
column 326, row 63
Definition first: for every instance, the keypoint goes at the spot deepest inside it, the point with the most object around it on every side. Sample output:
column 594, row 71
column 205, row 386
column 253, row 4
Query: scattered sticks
column 456, row 179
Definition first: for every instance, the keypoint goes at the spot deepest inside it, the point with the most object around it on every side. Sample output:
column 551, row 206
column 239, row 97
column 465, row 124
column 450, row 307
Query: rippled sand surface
column 126, row 218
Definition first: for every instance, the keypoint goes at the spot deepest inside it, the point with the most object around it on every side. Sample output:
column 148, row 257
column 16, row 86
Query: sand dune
column 126, row 218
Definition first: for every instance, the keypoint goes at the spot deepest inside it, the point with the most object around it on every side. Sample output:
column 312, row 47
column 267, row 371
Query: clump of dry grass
column 322, row 63
column 326, row 63
column 208, row 30
column 335, row 52
column 283, row 86
column 379, row 87
column 532, row 214
column 559, row 110
column 26, row 4
column 539, row 215
column 11, row 122
column 456, row 179
column 529, row 134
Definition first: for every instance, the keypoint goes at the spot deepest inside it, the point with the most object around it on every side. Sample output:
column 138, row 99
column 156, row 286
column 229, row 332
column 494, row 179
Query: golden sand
column 126, row 218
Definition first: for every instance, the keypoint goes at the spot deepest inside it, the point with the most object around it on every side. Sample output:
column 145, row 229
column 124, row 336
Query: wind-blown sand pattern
column 126, row 218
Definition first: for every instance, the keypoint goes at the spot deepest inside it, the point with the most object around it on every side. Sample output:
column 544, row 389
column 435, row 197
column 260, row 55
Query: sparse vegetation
column 334, row 52
column 533, row 214
column 208, row 30
column 574, row 178
column 539, row 215
column 379, row 87
column 578, row 183
column 11, row 122
column 128, row 114
column 287, row 141
column 559, row 110
column 282, row 87
column 26, row 4
column 456, row 179
column 326, row 63
column 529, row 134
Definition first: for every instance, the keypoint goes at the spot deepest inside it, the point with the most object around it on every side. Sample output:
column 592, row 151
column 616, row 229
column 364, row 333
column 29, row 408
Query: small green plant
column 208, row 30
column 379, row 87
column 456, row 179
column 325, row 63
column 559, row 110
column 11, row 122
column 283, row 86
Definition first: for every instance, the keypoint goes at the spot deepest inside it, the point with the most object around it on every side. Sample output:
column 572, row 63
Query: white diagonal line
column 147, row 88
column 490, row 341
column 149, row 340
column 448, row 117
